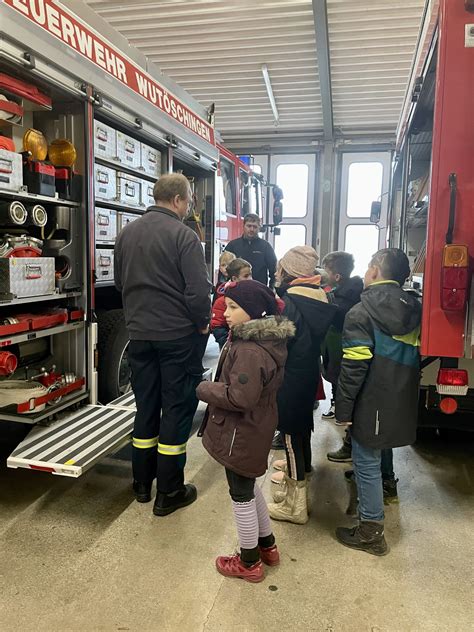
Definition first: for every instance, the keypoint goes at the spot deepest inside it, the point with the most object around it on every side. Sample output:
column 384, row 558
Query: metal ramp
column 79, row 440
column 75, row 443
column 124, row 401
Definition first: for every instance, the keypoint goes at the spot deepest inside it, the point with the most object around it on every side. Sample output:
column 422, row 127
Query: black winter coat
column 344, row 297
column 306, row 305
column 259, row 254
column 379, row 379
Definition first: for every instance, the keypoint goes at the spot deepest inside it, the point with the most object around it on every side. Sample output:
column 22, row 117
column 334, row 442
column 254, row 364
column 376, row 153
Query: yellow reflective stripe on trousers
column 145, row 443
column 172, row 450
column 357, row 353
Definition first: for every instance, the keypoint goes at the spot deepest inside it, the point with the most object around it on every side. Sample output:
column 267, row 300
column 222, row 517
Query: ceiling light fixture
column 271, row 98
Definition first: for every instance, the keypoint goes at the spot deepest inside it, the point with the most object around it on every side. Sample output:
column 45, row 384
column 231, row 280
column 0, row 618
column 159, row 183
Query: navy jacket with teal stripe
column 379, row 379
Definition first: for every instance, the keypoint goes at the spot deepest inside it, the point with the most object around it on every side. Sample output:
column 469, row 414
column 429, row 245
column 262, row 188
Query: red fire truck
column 87, row 125
column 432, row 202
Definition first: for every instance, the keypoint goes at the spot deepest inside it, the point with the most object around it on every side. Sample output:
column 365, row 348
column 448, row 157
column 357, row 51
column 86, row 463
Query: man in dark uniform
column 161, row 272
column 255, row 250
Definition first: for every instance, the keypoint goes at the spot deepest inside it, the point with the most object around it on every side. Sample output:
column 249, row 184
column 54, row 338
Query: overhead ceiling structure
column 334, row 67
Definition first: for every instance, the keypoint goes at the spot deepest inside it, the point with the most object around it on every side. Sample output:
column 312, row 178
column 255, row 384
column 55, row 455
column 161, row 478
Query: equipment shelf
column 121, row 167
column 39, row 333
column 39, row 299
column 119, row 206
column 33, row 418
column 32, row 197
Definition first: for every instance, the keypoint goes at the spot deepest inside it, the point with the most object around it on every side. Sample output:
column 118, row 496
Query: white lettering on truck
column 99, row 54
column 21, row 6
column 52, row 17
column 84, row 41
column 68, row 31
column 37, row 11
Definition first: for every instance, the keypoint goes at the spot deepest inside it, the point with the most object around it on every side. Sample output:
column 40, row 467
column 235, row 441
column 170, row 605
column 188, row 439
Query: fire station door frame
column 365, row 177
column 296, row 175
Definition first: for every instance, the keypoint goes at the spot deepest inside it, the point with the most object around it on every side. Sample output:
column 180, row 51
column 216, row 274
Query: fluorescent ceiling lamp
column 268, row 86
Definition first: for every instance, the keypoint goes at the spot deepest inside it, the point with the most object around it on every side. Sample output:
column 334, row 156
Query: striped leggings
column 251, row 515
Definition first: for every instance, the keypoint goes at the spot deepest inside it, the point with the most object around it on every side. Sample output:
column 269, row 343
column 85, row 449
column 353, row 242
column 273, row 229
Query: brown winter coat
column 242, row 405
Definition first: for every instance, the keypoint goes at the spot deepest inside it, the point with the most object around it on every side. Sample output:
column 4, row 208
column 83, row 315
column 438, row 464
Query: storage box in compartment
column 22, row 277
column 105, row 225
column 126, row 218
column 40, row 178
column 151, row 161
column 147, row 193
column 128, row 189
column 104, row 264
column 128, row 151
column 105, row 182
column 68, row 184
column 105, row 141
column 11, row 170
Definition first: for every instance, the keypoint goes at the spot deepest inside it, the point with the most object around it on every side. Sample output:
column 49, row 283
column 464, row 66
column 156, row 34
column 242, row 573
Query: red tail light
column 452, row 382
column 454, row 278
column 448, row 405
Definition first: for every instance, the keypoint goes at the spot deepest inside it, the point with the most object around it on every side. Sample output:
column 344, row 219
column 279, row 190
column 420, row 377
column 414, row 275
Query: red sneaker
column 269, row 555
column 232, row 566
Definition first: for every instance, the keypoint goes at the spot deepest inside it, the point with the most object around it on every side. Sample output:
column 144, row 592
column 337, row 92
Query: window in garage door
column 295, row 175
column 365, row 178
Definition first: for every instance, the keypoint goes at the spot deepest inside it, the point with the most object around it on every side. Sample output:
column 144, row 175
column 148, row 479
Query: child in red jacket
column 223, row 276
column 237, row 270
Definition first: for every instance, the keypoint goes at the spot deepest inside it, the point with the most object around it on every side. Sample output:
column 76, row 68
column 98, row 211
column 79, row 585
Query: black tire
column 114, row 375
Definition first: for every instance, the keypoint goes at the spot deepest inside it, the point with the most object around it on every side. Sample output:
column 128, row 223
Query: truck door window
column 364, row 186
column 226, row 183
column 255, row 197
column 245, row 193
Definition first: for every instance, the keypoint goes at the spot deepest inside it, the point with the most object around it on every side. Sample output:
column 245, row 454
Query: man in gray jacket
column 161, row 272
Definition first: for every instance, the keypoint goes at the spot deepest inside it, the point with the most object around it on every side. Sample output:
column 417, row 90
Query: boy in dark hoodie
column 344, row 294
column 377, row 392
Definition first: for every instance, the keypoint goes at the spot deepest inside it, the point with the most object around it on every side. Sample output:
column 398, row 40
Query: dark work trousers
column 298, row 454
column 241, row 488
column 387, row 464
column 164, row 378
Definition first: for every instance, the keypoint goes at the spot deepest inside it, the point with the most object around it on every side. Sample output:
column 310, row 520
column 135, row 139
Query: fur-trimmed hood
column 270, row 328
column 271, row 333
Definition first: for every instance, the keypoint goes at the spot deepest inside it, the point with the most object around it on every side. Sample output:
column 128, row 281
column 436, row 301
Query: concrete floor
column 82, row 555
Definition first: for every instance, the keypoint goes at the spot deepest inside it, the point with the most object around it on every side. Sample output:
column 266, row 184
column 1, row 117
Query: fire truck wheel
column 114, row 372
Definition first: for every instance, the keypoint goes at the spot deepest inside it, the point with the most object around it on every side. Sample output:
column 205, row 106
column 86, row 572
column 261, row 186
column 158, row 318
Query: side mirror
column 375, row 212
column 277, row 205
